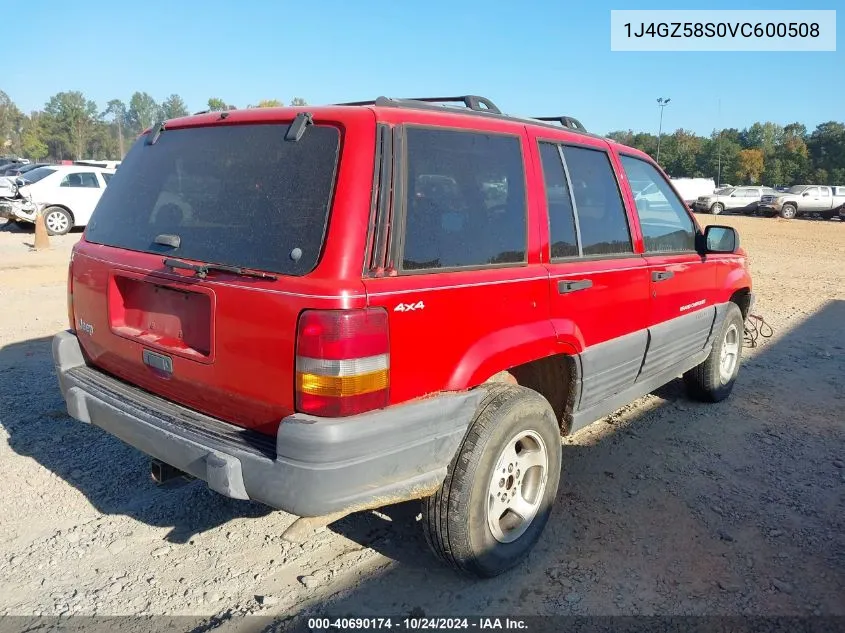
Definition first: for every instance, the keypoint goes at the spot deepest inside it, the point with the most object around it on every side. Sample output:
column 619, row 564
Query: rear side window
column 86, row 180
column 106, row 176
column 234, row 194
column 465, row 202
column 664, row 220
column 598, row 203
column 564, row 242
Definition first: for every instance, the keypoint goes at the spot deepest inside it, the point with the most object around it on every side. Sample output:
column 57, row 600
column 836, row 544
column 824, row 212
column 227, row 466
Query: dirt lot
column 666, row 507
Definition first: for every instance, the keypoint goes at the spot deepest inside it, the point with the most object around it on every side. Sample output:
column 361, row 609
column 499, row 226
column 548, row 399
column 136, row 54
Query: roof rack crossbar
column 565, row 121
column 570, row 123
column 472, row 102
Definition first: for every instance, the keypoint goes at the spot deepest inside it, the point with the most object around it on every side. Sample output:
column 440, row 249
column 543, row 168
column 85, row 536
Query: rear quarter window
column 239, row 195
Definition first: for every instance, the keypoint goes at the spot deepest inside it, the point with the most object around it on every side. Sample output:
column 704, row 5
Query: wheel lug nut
column 510, row 468
column 501, row 483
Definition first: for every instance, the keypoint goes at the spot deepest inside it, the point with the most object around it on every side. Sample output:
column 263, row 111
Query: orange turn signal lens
column 341, row 386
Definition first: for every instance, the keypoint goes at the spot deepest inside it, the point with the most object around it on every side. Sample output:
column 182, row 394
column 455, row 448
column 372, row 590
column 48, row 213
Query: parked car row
column 65, row 194
column 828, row 202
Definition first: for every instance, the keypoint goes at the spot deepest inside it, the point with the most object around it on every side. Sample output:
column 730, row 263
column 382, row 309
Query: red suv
column 329, row 309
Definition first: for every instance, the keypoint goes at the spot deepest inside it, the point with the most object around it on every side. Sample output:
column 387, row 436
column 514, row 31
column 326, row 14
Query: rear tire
column 57, row 220
column 510, row 459
column 713, row 380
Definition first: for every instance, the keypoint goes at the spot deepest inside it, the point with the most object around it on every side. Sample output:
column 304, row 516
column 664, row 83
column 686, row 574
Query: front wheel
column 789, row 211
column 713, row 380
column 57, row 220
column 498, row 493
column 717, row 208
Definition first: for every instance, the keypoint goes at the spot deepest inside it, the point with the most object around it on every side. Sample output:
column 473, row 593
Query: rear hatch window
column 239, row 195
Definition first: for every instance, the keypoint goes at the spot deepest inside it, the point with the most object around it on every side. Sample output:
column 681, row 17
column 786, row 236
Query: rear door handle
column 662, row 275
column 564, row 286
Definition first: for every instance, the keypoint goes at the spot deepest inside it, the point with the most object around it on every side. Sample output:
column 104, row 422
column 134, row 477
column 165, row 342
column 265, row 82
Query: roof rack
column 475, row 105
column 472, row 102
column 566, row 121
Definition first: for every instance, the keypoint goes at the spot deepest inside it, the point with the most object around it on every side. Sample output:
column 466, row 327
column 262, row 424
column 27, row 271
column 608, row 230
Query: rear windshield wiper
column 202, row 270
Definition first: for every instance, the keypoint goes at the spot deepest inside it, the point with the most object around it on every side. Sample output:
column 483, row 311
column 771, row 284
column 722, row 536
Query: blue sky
column 532, row 58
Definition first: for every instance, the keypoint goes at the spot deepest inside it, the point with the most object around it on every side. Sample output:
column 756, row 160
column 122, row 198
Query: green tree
column 10, row 118
column 215, row 104
column 143, row 112
column 682, row 148
column 826, row 146
column 173, row 107
column 269, row 103
column 73, row 116
column 764, row 136
column 774, row 172
column 31, row 144
column 116, row 109
column 793, row 155
column 298, row 101
column 102, row 143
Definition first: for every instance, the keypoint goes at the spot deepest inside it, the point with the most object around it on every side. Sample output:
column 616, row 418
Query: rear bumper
column 313, row 467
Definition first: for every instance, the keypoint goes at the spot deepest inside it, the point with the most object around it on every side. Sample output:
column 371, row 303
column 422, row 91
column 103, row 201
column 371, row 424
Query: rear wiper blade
column 202, row 270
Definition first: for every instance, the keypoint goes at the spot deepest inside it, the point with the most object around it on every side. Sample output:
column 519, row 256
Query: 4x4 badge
column 409, row 307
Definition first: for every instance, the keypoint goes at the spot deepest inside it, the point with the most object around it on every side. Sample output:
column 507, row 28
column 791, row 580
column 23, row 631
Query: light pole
column 661, row 103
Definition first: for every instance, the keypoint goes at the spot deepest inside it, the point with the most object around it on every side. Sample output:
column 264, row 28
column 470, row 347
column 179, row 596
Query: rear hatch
column 215, row 339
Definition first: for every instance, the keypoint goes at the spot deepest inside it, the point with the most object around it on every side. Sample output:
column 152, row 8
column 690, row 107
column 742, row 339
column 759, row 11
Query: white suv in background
column 67, row 195
column 742, row 199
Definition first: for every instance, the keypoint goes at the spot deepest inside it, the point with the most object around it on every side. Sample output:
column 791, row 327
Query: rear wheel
column 713, row 380
column 496, row 499
column 57, row 220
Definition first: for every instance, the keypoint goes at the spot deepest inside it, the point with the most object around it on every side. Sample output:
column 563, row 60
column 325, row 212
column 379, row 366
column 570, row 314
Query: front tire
column 498, row 493
column 713, row 380
column 57, row 220
column 717, row 208
column 789, row 211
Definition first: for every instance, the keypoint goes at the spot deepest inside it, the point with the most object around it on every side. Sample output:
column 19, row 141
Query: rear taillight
column 70, row 316
column 342, row 362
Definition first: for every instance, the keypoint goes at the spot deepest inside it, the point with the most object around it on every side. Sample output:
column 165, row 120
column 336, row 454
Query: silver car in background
column 736, row 199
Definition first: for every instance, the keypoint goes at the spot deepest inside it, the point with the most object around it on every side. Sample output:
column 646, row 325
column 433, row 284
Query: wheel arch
column 507, row 348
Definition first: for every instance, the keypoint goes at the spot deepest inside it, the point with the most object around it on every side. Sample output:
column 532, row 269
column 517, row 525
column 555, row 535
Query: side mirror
column 20, row 182
column 720, row 239
column 733, row 195
column 805, row 195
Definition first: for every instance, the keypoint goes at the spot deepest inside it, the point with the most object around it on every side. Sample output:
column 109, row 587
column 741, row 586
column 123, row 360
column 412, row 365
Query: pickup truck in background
column 804, row 199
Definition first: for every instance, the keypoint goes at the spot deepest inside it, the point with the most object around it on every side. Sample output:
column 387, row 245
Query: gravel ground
column 666, row 507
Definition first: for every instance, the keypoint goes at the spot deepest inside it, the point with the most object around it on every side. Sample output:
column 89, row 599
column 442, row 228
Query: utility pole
column 661, row 103
column 120, row 135
column 719, row 172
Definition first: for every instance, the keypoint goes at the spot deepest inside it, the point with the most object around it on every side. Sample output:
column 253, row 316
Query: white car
column 66, row 195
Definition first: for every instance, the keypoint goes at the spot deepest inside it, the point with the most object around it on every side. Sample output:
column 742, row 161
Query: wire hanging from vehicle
column 756, row 328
